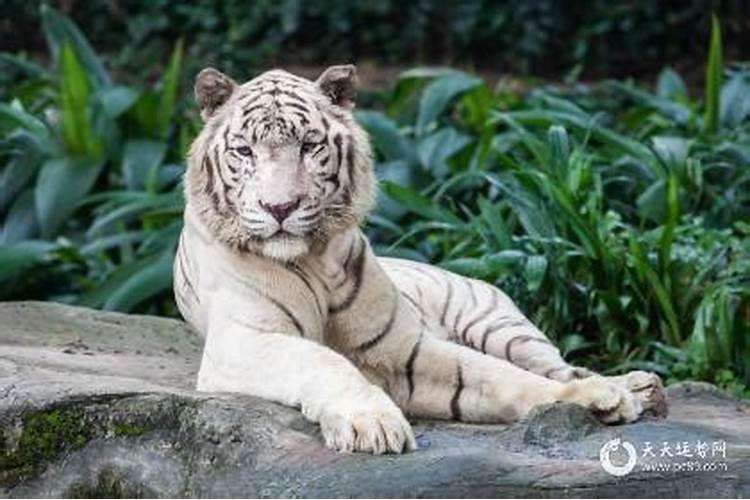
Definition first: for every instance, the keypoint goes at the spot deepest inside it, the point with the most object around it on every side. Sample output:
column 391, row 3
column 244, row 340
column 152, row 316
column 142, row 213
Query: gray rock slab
column 101, row 404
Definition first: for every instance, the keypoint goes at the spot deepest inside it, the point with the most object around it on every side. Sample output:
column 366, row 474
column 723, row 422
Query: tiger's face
column 280, row 165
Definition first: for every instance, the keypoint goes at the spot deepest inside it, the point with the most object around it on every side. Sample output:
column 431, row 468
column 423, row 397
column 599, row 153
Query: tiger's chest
column 301, row 297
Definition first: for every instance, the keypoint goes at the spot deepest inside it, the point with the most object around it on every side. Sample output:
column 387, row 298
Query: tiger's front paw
column 373, row 425
column 609, row 402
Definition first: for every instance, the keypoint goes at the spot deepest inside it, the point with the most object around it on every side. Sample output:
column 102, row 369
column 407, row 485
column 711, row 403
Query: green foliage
column 90, row 135
column 713, row 78
column 542, row 36
column 615, row 216
column 604, row 211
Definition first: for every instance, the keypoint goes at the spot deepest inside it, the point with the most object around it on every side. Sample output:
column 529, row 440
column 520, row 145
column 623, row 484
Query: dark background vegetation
column 548, row 38
column 590, row 158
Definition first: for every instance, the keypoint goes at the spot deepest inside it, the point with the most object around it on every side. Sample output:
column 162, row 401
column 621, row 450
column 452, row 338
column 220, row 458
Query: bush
column 547, row 37
column 615, row 216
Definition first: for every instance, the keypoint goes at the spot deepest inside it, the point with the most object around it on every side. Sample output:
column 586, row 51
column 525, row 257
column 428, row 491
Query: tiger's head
column 280, row 165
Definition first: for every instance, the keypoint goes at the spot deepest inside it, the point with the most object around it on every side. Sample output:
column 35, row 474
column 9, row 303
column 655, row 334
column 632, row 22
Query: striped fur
column 303, row 313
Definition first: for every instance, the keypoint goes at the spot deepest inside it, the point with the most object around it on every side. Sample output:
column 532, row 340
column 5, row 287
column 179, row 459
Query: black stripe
column 414, row 303
column 457, row 320
column 385, row 331
column 209, row 169
column 496, row 327
column 296, row 106
column 339, row 155
column 357, row 268
column 350, row 162
column 483, row 315
column 485, row 336
column 181, row 264
column 284, row 309
column 300, row 273
column 410, row 364
column 553, row 370
column 289, row 314
column 249, row 110
column 302, row 118
column 455, row 405
column 292, row 95
column 521, row 339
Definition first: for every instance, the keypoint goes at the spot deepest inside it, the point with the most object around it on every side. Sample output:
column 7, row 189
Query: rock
column 100, row 404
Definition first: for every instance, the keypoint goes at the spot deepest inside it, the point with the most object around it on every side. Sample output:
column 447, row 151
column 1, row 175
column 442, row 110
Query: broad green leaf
column 59, row 31
column 12, row 117
column 60, row 187
column 78, row 135
column 436, row 149
column 140, row 159
column 672, row 219
column 714, row 69
column 673, row 151
column 666, row 308
column 18, row 257
column 116, row 100
column 386, row 138
column 418, row 204
column 674, row 110
column 735, row 99
column 671, row 85
column 113, row 281
column 398, row 172
column 439, row 94
column 494, row 220
column 559, row 144
column 145, row 113
column 531, row 213
column 138, row 206
column 170, row 87
column 20, row 221
column 153, row 278
column 604, row 135
column 115, row 240
column 653, row 202
column 536, row 267
column 30, row 69
column 17, row 174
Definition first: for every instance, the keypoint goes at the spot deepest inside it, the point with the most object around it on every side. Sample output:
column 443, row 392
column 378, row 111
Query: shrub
column 615, row 216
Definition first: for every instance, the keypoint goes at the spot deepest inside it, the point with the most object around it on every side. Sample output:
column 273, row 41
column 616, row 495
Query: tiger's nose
column 280, row 211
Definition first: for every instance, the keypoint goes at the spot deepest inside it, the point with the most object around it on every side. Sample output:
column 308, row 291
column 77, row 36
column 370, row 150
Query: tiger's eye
column 244, row 151
column 307, row 147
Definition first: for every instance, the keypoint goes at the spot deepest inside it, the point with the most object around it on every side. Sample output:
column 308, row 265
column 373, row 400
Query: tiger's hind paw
column 647, row 388
column 609, row 402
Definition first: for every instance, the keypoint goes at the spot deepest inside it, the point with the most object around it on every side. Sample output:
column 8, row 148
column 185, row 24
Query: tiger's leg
column 475, row 314
column 443, row 380
column 242, row 355
column 430, row 377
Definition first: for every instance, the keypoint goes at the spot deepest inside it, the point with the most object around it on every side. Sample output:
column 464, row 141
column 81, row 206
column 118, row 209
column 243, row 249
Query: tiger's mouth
column 284, row 246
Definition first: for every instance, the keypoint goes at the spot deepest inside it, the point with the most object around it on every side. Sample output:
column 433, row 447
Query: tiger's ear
column 339, row 83
column 212, row 89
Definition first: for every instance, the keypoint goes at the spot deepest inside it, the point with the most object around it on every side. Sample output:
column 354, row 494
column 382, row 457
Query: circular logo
column 611, row 446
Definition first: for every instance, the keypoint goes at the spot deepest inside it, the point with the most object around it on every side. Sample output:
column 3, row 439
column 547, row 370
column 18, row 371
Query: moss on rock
column 44, row 435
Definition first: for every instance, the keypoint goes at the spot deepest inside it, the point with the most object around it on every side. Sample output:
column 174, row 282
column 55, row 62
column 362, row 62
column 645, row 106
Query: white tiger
column 274, row 271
